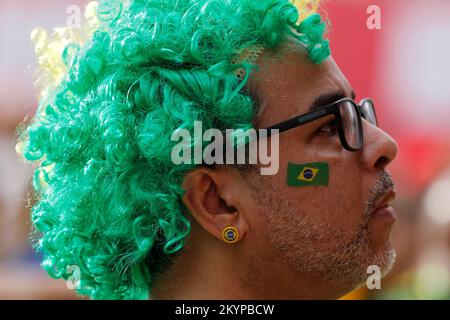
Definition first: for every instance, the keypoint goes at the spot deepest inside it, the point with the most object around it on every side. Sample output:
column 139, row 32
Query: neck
column 220, row 272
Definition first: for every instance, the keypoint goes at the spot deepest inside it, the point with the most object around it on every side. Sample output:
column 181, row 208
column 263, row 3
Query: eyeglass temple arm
column 296, row 121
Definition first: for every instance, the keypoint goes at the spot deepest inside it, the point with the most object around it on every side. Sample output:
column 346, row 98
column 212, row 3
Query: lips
column 385, row 199
column 386, row 212
column 383, row 208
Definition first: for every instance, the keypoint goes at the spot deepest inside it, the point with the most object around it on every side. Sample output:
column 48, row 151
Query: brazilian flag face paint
column 308, row 174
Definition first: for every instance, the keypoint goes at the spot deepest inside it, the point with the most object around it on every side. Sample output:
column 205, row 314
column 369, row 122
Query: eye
column 329, row 128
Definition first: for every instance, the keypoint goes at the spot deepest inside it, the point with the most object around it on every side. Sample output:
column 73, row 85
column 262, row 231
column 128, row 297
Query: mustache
column 384, row 184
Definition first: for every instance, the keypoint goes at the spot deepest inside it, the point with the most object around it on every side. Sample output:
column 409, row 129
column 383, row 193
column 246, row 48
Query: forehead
column 288, row 82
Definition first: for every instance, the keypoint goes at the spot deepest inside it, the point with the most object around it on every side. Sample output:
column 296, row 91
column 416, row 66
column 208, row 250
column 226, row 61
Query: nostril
column 381, row 163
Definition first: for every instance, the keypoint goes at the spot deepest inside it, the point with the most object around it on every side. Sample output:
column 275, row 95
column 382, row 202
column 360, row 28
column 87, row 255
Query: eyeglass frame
column 330, row 109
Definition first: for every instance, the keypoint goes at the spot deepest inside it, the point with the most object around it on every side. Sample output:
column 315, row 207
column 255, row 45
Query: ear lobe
column 212, row 198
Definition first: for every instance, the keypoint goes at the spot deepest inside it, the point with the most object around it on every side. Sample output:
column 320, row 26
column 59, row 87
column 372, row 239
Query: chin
column 383, row 259
column 388, row 260
column 384, row 255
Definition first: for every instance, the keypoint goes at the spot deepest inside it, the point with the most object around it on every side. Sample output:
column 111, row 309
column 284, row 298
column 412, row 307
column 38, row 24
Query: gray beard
column 321, row 250
column 325, row 251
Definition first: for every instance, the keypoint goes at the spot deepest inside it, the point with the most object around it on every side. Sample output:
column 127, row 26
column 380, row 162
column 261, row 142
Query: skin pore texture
column 294, row 243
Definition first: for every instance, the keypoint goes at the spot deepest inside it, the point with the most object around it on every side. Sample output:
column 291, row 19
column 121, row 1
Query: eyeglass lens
column 350, row 124
column 368, row 112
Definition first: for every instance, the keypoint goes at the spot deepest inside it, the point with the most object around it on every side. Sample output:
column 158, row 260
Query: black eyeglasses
column 347, row 114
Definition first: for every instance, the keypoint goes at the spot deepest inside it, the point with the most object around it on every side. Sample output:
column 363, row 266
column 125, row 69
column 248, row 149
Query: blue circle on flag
column 308, row 174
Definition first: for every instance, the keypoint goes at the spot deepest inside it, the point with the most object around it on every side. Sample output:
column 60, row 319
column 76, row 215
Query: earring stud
column 230, row 235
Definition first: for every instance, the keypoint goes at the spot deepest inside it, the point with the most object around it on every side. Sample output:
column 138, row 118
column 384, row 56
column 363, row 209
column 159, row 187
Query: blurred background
column 404, row 66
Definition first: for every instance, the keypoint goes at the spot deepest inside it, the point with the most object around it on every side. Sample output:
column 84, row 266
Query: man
column 134, row 223
column 294, row 243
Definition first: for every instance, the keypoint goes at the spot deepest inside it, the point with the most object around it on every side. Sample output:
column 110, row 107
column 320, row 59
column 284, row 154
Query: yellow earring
column 230, row 235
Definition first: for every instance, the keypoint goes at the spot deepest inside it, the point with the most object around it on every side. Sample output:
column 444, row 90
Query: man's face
column 330, row 233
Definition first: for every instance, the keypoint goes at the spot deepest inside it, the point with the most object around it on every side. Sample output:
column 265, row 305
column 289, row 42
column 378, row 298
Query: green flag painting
column 308, row 174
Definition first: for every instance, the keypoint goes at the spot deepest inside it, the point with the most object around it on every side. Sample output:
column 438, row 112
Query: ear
column 218, row 198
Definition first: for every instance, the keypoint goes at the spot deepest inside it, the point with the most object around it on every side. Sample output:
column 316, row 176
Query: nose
column 379, row 148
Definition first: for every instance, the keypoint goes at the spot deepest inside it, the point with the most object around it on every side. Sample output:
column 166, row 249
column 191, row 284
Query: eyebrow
column 328, row 98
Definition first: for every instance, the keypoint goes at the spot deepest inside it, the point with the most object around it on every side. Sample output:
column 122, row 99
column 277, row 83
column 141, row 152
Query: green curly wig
column 108, row 197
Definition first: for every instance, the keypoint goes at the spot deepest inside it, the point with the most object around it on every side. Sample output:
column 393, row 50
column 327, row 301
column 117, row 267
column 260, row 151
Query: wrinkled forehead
column 287, row 82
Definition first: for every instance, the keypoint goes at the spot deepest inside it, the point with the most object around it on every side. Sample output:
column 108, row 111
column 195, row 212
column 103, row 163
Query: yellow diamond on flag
column 308, row 174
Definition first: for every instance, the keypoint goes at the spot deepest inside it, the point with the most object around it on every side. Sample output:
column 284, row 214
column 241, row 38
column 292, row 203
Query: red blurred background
column 405, row 68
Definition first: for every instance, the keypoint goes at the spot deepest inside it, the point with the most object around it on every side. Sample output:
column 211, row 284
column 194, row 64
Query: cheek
column 345, row 192
column 341, row 203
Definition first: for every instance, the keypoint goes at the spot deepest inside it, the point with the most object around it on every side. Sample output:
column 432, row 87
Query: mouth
column 384, row 209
